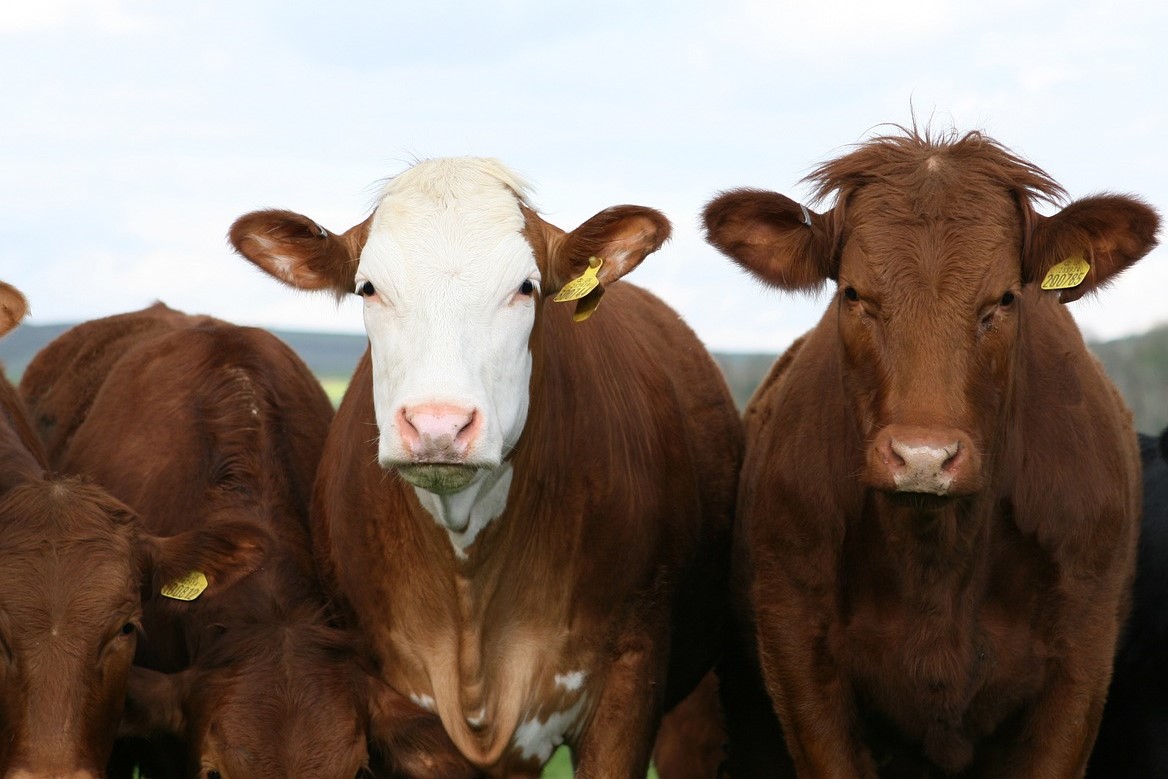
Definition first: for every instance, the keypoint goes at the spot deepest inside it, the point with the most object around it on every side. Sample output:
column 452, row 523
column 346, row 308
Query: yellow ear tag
column 587, row 304
column 188, row 587
column 1068, row 273
column 582, row 284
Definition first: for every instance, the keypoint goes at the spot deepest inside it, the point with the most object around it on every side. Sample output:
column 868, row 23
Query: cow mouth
column 923, row 502
column 439, row 478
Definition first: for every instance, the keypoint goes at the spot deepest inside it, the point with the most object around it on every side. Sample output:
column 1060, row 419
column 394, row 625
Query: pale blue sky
column 133, row 133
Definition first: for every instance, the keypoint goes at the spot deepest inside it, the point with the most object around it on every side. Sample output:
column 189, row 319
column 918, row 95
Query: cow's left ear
column 1108, row 232
column 223, row 552
column 621, row 236
column 13, row 307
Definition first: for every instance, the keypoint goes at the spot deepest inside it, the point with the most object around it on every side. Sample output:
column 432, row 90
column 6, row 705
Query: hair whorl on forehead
column 457, row 177
column 897, row 160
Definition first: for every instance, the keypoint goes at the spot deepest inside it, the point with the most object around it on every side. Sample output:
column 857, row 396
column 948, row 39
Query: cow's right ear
column 298, row 251
column 13, row 307
column 223, row 552
column 155, row 703
column 773, row 237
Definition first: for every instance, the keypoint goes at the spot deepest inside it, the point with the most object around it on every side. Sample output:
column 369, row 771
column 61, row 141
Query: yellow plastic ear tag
column 582, row 284
column 188, row 587
column 1068, row 273
column 587, row 305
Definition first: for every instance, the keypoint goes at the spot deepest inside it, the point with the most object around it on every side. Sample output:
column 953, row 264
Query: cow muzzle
column 438, row 442
column 931, row 461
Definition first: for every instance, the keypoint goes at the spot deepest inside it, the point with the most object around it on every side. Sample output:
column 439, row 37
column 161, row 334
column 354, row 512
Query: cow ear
column 1107, row 232
column 776, row 239
column 409, row 739
column 298, row 251
column 155, row 703
column 224, row 552
column 13, row 307
column 620, row 236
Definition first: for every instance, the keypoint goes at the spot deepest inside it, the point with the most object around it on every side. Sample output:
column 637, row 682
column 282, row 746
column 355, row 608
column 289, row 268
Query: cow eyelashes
column 1007, row 299
column 851, row 294
column 365, row 289
column 527, row 288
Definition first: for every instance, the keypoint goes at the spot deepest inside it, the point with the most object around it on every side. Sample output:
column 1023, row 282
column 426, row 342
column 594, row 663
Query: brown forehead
column 933, row 213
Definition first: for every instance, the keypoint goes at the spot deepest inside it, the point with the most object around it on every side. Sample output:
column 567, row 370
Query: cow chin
column 438, row 478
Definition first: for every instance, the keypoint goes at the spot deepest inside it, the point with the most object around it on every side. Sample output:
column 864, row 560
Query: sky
column 132, row 134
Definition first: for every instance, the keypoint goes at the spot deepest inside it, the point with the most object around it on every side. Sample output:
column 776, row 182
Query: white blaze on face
column 449, row 320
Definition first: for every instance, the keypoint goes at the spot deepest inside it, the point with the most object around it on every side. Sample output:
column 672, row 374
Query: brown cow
column 189, row 420
column 75, row 564
column 940, row 500
column 527, row 516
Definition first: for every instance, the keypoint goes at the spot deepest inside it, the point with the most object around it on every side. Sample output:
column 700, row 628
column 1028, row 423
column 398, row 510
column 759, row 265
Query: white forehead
column 455, row 215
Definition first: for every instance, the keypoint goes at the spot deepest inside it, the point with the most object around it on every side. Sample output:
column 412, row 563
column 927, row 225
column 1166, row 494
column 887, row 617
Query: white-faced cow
column 74, row 566
column 939, row 505
column 190, row 420
column 527, row 516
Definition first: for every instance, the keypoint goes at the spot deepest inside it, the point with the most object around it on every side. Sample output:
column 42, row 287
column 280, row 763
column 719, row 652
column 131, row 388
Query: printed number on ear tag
column 188, row 587
column 1068, row 273
column 582, row 284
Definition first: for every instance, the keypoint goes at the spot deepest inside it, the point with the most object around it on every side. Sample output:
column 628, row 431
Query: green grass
column 560, row 766
column 334, row 387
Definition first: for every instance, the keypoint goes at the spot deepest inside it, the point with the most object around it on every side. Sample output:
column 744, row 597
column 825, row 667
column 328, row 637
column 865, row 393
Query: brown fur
column 906, row 634
column 613, row 593
column 74, row 563
column 191, row 421
column 611, row 553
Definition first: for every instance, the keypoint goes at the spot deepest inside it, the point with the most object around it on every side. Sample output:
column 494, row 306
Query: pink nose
column 937, row 462
column 438, row 432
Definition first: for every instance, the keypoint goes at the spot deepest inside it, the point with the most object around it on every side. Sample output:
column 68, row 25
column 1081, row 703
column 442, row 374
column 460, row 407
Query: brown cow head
column 74, row 563
column 937, row 253
column 289, row 701
column 451, row 266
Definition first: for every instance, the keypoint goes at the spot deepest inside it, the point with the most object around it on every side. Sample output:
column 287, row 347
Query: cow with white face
column 550, row 566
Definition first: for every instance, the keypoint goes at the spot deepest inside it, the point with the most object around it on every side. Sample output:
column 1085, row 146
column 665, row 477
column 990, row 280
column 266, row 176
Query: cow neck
column 465, row 513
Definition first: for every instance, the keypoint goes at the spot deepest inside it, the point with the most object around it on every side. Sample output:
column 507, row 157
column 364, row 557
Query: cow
column 939, row 504
column 76, row 565
column 190, row 420
column 524, row 508
column 1133, row 736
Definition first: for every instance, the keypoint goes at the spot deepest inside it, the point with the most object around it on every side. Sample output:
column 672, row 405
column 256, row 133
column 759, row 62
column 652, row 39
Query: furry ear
column 224, row 552
column 773, row 237
column 298, row 251
column 1109, row 232
column 622, row 236
column 13, row 307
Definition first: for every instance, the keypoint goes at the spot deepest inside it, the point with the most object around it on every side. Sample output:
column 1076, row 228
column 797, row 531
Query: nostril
column 953, row 461
column 467, row 431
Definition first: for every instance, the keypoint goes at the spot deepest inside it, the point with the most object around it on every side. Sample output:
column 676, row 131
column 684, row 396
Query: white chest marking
column 465, row 513
column 571, row 681
column 424, row 701
column 539, row 738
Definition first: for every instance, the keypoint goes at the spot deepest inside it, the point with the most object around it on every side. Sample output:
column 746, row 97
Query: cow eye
column 213, row 774
column 365, row 289
column 851, row 294
column 128, row 629
column 1007, row 299
column 527, row 287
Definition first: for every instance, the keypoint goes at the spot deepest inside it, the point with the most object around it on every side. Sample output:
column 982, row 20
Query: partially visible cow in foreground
column 1133, row 738
column 940, row 500
column 527, row 516
column 191, row 421
column 74, row 566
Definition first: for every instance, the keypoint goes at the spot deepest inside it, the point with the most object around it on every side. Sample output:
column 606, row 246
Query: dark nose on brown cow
column 438, row 432
column 934, row 461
